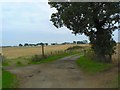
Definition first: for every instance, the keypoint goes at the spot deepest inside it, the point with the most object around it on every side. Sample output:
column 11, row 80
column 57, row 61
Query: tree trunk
column 110, row 58
column 101, row 57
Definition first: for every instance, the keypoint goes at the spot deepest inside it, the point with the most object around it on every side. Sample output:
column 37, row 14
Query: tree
column 26, row 44
column 80, row 42
column 20, row 45
column 46, row 44
column 85, row 41
column 53, row 43
column 74, row 42
column 41, row 43
column 97, row 20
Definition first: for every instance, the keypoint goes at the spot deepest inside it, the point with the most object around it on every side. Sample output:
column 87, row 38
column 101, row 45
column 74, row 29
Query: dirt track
column 63, row 73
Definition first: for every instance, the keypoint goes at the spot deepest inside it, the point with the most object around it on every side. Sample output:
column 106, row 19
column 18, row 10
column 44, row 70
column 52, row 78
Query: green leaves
column 97, row 20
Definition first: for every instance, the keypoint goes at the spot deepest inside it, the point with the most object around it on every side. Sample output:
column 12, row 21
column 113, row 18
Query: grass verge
column 53, row 58
column 0, row 78
column 8, row 80
column 91, row 66
column 25, row 61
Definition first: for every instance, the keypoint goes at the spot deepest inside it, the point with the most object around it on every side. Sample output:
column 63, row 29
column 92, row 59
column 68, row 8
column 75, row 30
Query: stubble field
column 14, row 52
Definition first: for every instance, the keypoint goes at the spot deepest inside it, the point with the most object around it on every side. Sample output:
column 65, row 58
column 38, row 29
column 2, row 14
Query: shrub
column 73, row 48
column 37, row 58
column 19, row 63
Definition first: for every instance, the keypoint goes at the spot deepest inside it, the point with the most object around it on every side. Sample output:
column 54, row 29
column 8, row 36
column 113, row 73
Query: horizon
column 29, row 22
column 70, row 42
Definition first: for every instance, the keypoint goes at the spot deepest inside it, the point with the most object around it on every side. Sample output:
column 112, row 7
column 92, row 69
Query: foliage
column 97, row 20
column 74, row 48
column 19, row 63
column 26, row 44
column 91, row 66
column 37, row 58
column 20, row 45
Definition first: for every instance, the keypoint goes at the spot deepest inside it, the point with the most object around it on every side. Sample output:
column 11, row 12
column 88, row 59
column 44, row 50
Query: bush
column 37, row 58
column 74, row 48
column 19, row 63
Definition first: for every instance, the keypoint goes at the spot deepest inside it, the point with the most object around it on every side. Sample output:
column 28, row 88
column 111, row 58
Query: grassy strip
column 0, row 78
column 91, row 66
column 118, row 78
column 25, row 61
column 53, row 58
column 8, row 80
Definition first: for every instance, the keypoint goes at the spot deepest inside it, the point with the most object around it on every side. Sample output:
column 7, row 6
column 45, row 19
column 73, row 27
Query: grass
column 91, row 66
column 115, row 82
column 0, row 79
column 53, row 58
column 5, row 64
column 20, row 61
column 8, row 80
column 24, row 61
column 118, row 78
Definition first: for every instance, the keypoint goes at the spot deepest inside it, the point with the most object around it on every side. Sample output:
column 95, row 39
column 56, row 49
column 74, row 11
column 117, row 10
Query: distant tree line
column 80, row 42
column 39, row 44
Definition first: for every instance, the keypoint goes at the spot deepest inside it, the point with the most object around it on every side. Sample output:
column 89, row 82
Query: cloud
column 28, row 17
column 24, row 15
column 24, row 21
column 30, row 22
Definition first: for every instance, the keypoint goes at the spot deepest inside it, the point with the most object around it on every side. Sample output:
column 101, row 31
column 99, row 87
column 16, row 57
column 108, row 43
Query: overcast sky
column 29, row 22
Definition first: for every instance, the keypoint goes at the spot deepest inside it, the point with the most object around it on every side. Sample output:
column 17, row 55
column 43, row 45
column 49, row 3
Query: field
column 19, row 56
column 15, row 52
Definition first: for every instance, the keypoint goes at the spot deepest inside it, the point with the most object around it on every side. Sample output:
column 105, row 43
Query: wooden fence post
column 43, row 54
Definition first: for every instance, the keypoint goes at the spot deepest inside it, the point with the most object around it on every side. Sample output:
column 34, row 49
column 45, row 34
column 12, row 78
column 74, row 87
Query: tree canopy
column 97, row 20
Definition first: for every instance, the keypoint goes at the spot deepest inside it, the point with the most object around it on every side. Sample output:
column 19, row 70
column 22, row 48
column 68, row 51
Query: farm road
column 62, row 73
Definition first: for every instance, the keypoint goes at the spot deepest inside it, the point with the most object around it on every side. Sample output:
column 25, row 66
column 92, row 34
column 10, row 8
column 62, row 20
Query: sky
column 24, row 21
